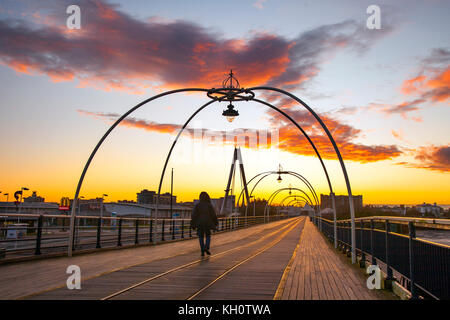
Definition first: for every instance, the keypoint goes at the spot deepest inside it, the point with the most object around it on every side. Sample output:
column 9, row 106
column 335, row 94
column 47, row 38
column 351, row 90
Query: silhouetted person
column 204, row 219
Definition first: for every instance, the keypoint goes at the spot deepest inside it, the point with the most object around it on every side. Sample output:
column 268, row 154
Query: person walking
column 204, row 219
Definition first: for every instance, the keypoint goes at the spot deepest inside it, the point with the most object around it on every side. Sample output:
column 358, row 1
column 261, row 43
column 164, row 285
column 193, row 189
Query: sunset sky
column 384, row 94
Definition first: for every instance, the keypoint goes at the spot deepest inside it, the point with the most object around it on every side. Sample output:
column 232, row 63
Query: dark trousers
column 204, row 234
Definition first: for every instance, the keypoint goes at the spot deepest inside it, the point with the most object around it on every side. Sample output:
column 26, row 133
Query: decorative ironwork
column 231, row 91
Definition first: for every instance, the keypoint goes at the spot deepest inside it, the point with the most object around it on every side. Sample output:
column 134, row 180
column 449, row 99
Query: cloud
column 289, row 137
column 249, row 138
column 116, row 51
column 432, row 158
column 259, row 4
column 344, row 135
column 431, row 85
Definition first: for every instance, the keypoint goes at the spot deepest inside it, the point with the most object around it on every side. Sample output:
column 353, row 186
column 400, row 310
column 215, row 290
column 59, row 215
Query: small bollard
column 151, row 231
column 99, row 231
column 136, row 233
column 119, row 234
column 37, row 251
column 182, row 229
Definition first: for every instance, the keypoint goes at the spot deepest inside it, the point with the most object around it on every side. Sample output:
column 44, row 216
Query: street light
column 21, row 197
column 7, row 198
column 230, row 113
column 279, row 173
column 101, row 206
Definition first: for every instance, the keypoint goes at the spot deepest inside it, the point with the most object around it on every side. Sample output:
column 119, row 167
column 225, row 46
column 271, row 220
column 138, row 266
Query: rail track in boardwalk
column 193, row 279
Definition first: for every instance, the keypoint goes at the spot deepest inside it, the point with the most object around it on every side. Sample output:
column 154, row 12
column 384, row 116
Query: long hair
column 204, row 197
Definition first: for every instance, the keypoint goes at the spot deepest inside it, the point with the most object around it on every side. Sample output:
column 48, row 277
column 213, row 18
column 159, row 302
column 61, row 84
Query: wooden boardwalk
column 319, row 272
column 21, row 279
column 287, row 259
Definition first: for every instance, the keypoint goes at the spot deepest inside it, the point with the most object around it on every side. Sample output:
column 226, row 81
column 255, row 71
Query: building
column 342, row 203
column 149, row 197
column 145, row 197
column 425, row 208
column 33, row 198
column 217, row 204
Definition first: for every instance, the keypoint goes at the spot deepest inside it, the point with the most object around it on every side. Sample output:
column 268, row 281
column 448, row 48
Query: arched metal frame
column 296, row 201
column 228, row 94
column 236, row 93
column 276, row 192
column 341, row 161
column 268, row 173
column 292, row 196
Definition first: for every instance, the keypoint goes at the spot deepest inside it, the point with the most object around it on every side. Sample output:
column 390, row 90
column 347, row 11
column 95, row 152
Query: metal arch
column 304, row 133
column 291, row 196
column 270, row 106
column 100, row 142
column 306, row 183
column 275, row 193
column 336, row 149
column 292, row 173
column 297, row 201
column 231, row 94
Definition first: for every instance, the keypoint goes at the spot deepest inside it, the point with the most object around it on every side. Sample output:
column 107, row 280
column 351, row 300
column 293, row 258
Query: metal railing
column 421, row 266
column 49, row 234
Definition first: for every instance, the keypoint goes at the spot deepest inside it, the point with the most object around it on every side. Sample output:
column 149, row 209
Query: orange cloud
column 409, row 85
column 431, row 86
column 115, row 51
column 289, row 137
column 432, row 158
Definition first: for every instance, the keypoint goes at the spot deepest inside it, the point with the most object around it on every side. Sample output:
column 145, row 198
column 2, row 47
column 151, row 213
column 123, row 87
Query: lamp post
column 7, row 196
column 21, row 197
column 101, row 207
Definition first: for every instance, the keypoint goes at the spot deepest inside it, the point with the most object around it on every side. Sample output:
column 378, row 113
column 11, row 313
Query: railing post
column 37, row 251
column 136, row 232
column 173, row 229
column 362, row 262
column 182, row 228
column 151, row 231
column 99, row 231
column 162, row 229
column 389, row 277
column 372, row 253
column 119, row 234
column 412, row 235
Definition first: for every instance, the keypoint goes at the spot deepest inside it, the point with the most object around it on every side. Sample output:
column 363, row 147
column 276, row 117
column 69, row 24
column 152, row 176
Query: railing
column 49, row 234
column 421, row 266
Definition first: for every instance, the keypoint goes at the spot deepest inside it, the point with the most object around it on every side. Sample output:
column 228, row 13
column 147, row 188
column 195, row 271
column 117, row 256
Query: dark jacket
column 204, row 216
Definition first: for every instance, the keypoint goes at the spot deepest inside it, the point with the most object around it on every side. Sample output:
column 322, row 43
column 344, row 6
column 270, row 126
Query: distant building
column 149, row 197
column 428, row 208
column 145, row 197
column 342, row 203
column 33, row 198
column 217, row 204
column 126, row 201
